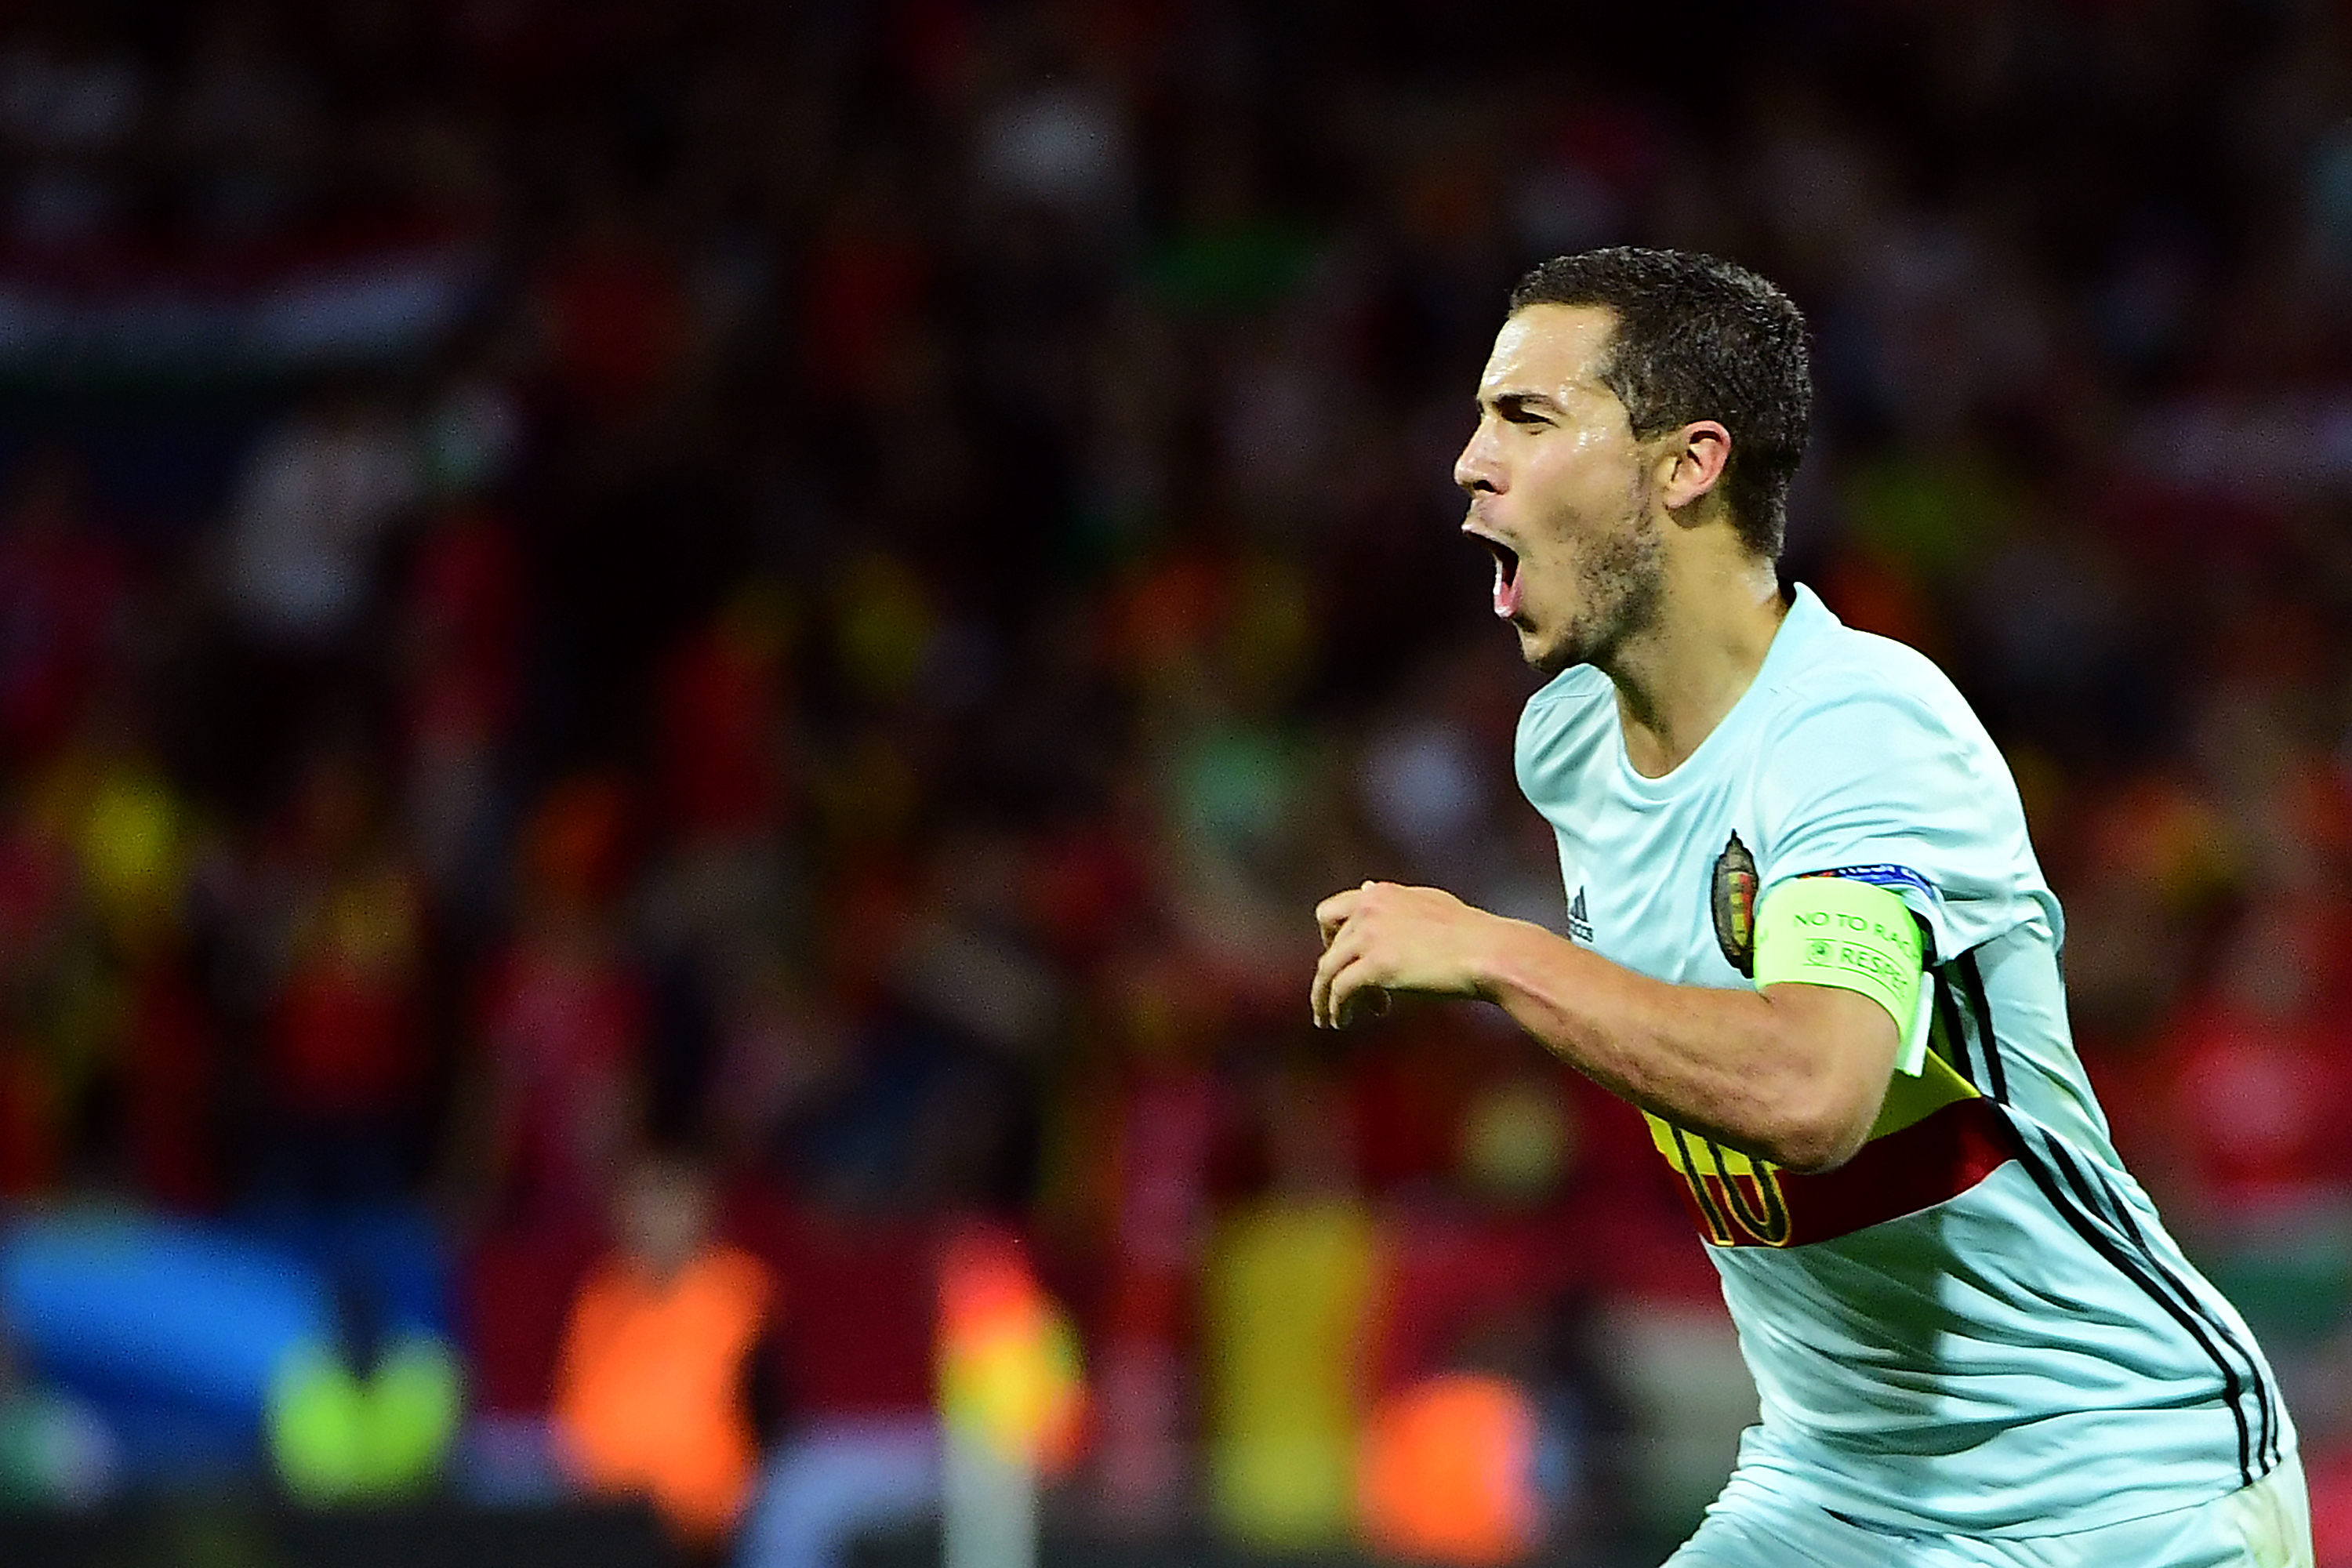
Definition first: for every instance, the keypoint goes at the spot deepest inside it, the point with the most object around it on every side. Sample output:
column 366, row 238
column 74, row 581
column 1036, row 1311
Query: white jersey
column 1978, row 1325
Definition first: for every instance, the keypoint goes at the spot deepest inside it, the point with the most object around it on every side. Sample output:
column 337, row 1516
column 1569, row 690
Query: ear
column 1692, row 463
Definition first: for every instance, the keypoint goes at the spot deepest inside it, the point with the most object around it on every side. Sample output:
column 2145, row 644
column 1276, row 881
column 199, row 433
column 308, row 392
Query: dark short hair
column 1700, row 338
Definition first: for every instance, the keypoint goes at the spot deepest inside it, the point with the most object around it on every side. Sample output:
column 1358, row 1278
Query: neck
column 1678, row 678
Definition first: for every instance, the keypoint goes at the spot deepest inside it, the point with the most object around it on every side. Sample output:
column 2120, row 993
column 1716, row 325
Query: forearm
column 1738, row 1065
column 1793, row 1074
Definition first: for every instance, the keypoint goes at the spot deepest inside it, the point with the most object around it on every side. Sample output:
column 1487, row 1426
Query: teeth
column 1507, row 591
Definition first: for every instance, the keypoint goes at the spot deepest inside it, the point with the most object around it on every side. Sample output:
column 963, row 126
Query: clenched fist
column 1383, row 937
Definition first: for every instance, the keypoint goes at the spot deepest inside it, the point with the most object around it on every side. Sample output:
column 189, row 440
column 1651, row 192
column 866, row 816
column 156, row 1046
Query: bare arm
column 1793, row 1074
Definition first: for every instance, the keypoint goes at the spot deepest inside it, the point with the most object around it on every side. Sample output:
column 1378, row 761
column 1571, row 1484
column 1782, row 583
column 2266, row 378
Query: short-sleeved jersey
column 1977, row 1324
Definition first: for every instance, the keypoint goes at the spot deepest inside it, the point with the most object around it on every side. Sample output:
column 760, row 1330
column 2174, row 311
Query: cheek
column 1574, row 503
column 1585, row 474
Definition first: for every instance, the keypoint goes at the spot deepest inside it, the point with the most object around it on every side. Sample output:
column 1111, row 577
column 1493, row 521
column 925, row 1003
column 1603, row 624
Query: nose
column 1476, row 470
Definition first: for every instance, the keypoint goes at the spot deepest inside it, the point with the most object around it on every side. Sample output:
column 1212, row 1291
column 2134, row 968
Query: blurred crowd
column 755, row 629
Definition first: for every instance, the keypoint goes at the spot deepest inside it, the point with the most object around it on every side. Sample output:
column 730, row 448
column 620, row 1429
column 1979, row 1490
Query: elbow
column 1819, row 1134
column 1829, row 1067
column 1810, row 1151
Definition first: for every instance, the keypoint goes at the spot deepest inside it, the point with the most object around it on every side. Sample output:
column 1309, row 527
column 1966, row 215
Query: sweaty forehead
column 1550, row 351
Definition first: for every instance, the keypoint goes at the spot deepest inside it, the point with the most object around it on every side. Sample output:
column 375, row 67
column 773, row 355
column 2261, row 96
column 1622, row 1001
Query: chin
column 1548, row 655
column 1545, row 658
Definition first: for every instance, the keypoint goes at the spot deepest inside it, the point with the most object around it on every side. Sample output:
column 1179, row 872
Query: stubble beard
column 1620, row 586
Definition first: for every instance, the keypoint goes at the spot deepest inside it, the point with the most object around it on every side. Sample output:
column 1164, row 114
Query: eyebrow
column 1509, row 404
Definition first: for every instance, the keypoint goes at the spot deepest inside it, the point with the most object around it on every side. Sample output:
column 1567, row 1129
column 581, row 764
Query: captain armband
column 1857, row 936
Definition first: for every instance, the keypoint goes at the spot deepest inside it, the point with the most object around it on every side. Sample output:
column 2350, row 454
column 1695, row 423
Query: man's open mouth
column 1507, row 576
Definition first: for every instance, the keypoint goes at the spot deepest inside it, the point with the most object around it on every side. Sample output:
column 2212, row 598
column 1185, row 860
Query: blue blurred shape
column 164, row 1310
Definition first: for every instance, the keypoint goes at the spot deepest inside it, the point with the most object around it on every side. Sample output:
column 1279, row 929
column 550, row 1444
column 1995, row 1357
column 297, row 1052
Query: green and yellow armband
column 1857, row 936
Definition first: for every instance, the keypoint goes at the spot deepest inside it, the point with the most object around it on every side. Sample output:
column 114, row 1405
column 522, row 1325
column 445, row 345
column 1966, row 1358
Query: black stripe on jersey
column 2118, row 1216
column 1946, row 1029
column 2176, row 1300
column 2084, row 1227
column 2273, row 1436
column 1980, row 1005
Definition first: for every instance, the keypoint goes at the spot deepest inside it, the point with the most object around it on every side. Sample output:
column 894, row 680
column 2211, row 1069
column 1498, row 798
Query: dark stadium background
column 820, row 589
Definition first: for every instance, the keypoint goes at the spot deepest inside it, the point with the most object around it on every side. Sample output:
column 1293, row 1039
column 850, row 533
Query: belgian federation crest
column 1731, row 896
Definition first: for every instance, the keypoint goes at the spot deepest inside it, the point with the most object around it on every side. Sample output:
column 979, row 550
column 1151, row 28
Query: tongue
column 1507, row 593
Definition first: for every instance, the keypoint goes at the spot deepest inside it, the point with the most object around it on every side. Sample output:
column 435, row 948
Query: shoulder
column 1867, row 689
column 1869, row 754
column 1559, row 728
column 1567, row 692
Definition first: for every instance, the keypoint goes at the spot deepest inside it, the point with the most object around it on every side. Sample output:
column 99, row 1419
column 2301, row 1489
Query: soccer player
column 1808, row 939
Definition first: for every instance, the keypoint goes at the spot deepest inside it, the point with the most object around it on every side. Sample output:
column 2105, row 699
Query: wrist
column 1501, row 963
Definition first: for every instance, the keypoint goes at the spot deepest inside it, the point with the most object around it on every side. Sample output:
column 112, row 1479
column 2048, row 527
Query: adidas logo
column 1579, row 923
